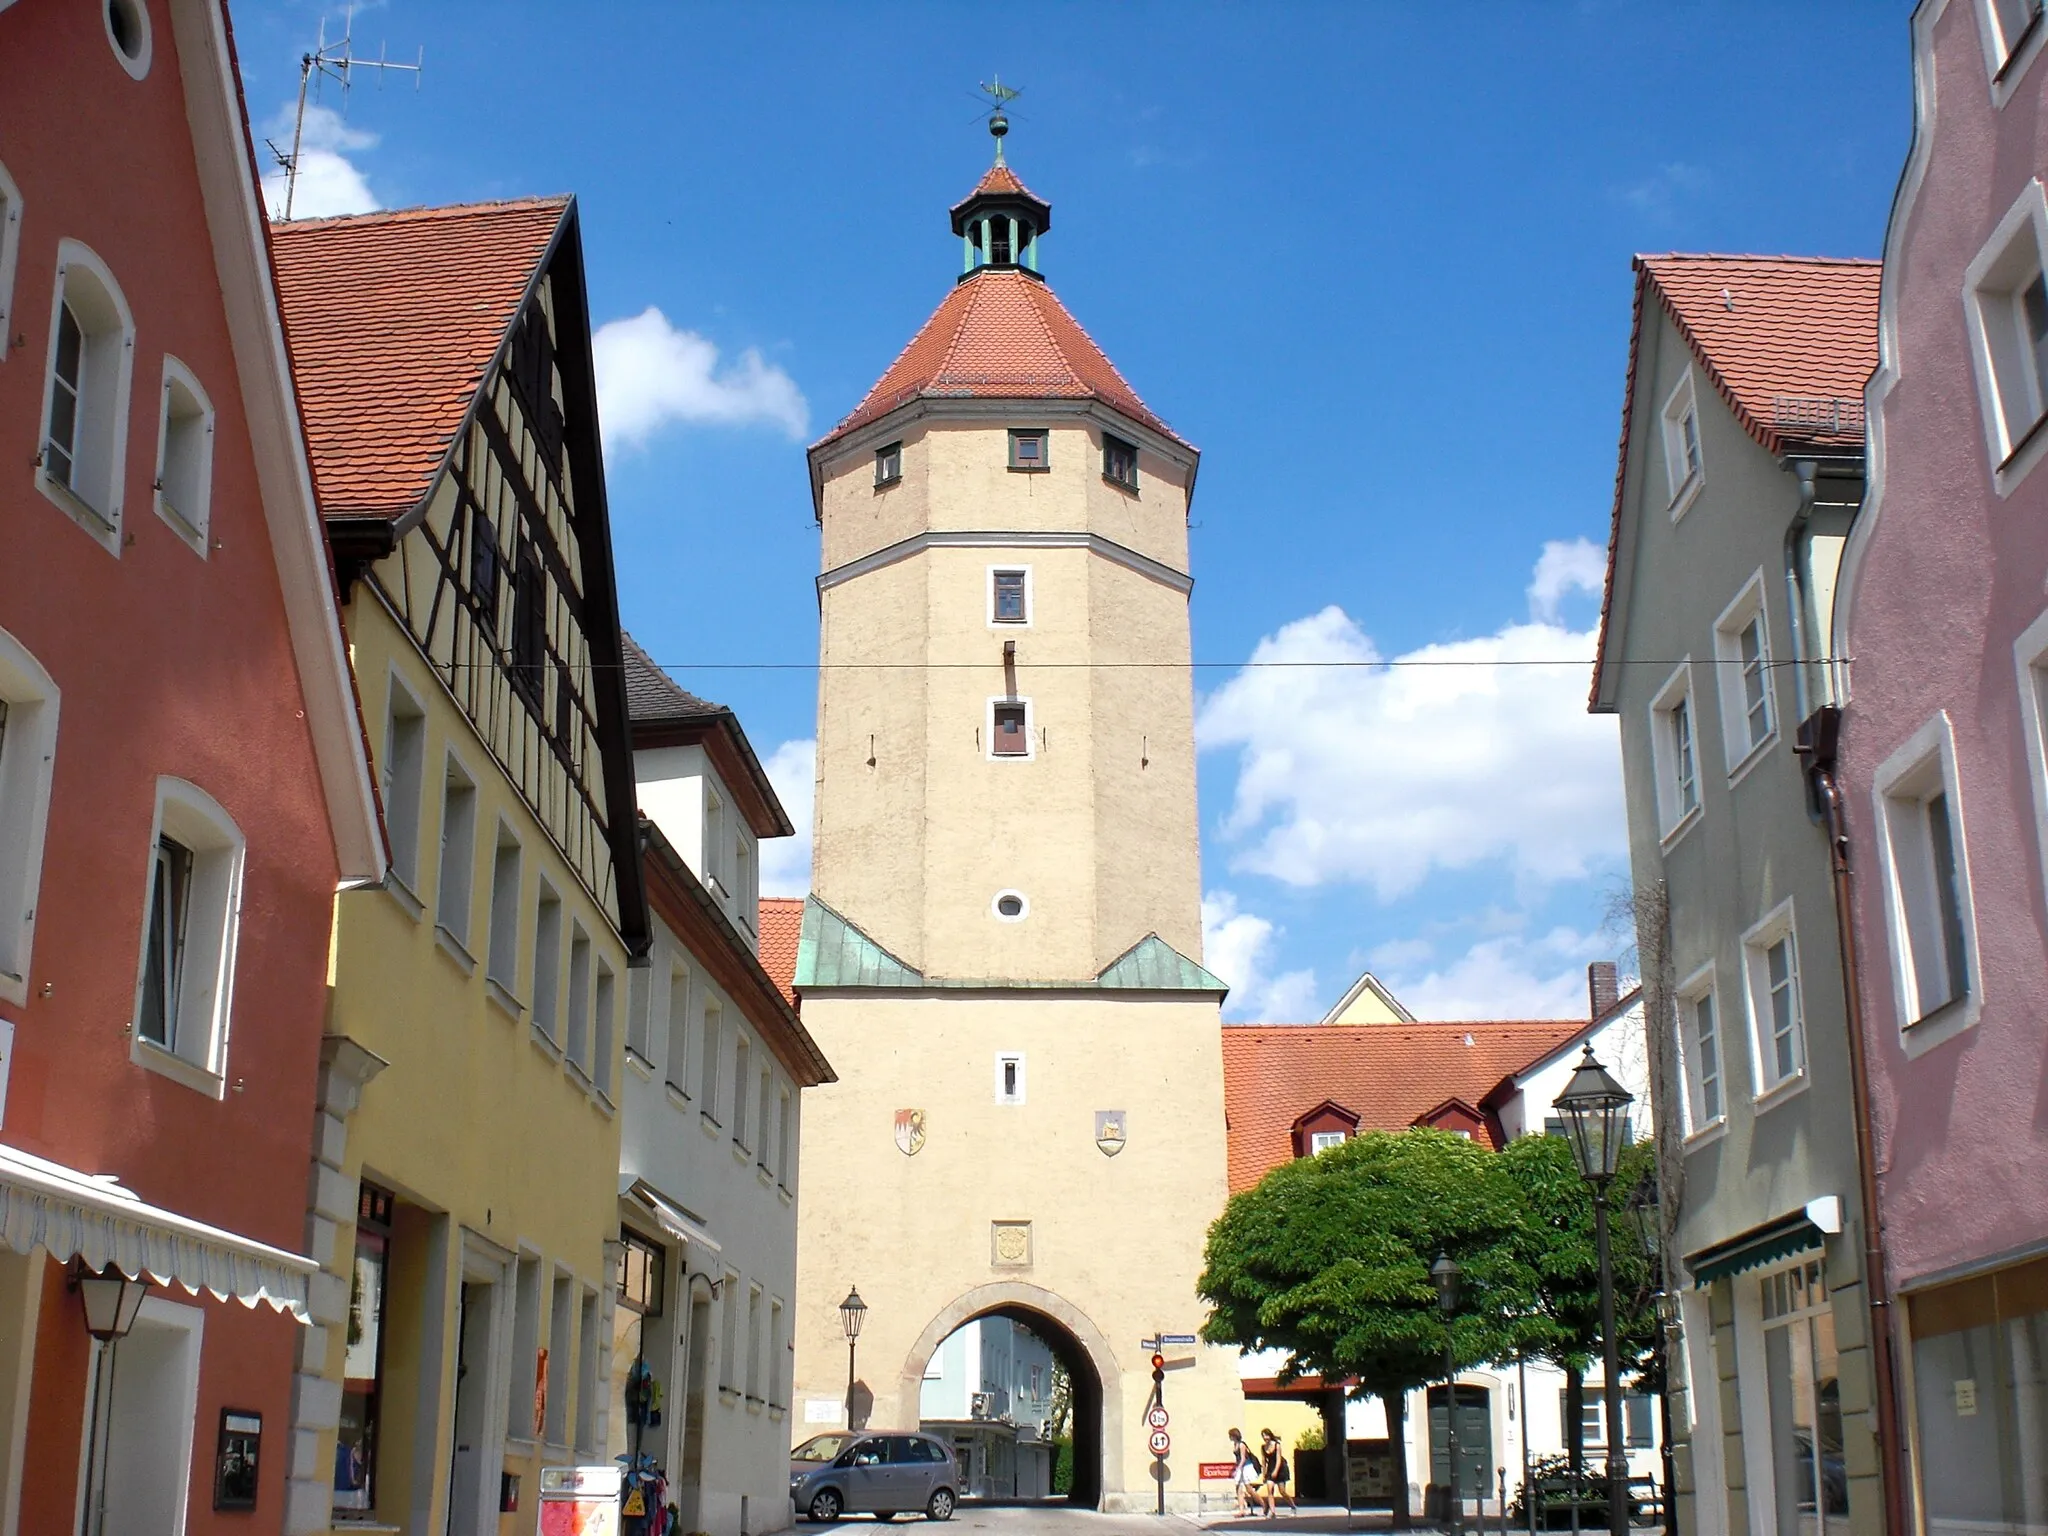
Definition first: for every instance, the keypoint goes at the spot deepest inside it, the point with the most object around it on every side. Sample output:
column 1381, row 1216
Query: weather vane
column 999, row 95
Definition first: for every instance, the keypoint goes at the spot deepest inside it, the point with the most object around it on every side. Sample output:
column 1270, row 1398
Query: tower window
column 1008, row 598
column 889, row 464
column 1011, row 906
column 1120, row 462
column 999, row 242
column 1010, row 735
column 1010, row 1077
column 1028, row 449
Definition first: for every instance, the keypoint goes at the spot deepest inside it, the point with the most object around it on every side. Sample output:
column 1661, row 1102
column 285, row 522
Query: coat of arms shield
column 1109, row 1131
column 909, row 1131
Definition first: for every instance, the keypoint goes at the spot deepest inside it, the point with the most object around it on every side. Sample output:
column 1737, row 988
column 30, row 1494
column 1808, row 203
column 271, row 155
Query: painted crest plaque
column 910, row 1131
column 1109, row 1131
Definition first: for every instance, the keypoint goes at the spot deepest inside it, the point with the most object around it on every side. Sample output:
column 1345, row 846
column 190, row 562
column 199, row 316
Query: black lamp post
column 852, row 1313
column 1595, row 1111
column 1446, row 1274
column 111, row 1301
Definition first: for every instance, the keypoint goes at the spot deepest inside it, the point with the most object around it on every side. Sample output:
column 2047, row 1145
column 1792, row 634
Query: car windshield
column 821, row 1448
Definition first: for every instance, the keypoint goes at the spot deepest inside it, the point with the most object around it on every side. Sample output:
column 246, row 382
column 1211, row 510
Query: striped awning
column 91, row 1217
column 1775, row 1240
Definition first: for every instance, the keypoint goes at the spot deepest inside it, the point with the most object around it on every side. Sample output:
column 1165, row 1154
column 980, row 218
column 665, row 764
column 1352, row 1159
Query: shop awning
column 670, row 1217
column 90, row 1217
column 1780, row 1239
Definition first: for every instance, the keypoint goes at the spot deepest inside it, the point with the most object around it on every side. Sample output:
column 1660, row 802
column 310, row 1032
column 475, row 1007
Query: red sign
column 1162, row 1442
column 1218, row 1471
column 1156, row 1416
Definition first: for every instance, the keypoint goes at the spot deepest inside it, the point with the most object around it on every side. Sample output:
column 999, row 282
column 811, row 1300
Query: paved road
column 1059, row 1520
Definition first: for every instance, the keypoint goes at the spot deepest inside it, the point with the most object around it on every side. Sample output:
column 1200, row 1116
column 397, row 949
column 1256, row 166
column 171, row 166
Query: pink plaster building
column 1943, row 769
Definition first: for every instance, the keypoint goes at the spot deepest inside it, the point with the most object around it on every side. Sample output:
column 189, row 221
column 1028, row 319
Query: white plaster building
column 716, row 1065
column 988, row 1391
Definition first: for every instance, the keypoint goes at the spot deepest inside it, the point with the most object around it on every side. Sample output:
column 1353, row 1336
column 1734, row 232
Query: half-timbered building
column 472, row 1140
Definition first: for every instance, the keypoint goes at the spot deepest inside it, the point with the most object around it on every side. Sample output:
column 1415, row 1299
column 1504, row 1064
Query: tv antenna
column 1000, row 96
column 332, row 61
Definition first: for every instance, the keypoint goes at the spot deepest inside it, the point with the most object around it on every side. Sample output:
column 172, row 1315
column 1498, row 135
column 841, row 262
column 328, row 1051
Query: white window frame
column 188, row 522
column 10, row 257
column 1674, row 816
column 2030, row 663
column 1682, row 478
column 1323, row 1141
column 28, row 752
column 1742, row 750
column 1702, row 985
column 546, row 1001
column 455, row 860
column 989, row 752
column 2007, row 57
column 103, row 402
column 2017, row 250
column 404, row 800
column 1009, row 568
column 1767, row 1085
column 501, row 944
column 1921, row 766
column 137, row 14
column 198, row 1051
column 576, row 1031
column 742, row 1087
column 677, row 1027
column 604, row 1028
column 1006, row 1059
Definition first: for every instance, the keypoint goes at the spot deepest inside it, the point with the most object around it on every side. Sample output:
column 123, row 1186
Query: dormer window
column 1328, row 1125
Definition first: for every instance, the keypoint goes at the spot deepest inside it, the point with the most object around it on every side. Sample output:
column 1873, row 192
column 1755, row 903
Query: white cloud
column 1238, row 948
column 1566, row 565
column 1383, row 775
column 1506, row 976
column 786, row 861
column 650, row 375
column 329, row 183
column 1658, row 196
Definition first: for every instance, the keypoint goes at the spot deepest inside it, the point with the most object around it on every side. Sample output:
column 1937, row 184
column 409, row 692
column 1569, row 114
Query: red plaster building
column 182, row 787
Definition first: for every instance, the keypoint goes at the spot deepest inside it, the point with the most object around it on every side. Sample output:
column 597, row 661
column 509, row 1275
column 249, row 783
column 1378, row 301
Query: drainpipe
column 1819, row 735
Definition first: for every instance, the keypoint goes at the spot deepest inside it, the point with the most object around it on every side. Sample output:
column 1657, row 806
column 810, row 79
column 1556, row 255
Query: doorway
column 1019, row 1399
column 149, row 1395
column 696, row 1384
column 476, row 1453
column 1475, row 1440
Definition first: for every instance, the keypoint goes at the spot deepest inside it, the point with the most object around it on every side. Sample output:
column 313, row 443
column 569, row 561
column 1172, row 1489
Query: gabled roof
column 834, row 952
column 1787, row 342
column 1001, row 335
column 665, row 714
column 1388, row 1074
column 393, row 319
column 782, row 926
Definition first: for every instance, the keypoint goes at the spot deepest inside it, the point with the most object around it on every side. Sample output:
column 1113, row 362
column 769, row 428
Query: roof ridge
column 1031, row 302
column 421, row 212
column 977, row 295
column 1811, row 261
column 1397, row 1026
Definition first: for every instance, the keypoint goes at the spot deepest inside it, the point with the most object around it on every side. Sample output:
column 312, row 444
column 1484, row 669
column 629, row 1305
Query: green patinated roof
column 832, row 952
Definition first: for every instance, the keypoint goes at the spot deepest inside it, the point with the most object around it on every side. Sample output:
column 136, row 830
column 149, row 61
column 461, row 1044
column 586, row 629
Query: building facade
column 469, row 1127
column 1005, row 928
column 988, row 1392
column 182, row 788
column 1944, row 774
column 1740, row 470
column 717, row 1064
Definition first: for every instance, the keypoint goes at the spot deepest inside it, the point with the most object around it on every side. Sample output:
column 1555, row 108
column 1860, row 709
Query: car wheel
column 941, row 1505
column 825, row 1505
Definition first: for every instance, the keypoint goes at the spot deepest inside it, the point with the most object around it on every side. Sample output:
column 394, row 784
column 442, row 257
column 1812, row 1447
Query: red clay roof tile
column 1389, row 1075
column 392, row 320
column 1004, row 336
column 782, row 924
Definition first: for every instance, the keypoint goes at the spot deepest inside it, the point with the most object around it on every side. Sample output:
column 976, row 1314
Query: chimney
column 1603, row 986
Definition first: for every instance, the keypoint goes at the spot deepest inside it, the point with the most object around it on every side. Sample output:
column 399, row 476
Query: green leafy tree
column 1562, row 1324
column 1328, row 1257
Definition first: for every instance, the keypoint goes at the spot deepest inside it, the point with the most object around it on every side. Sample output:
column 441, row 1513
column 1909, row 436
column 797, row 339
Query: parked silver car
column 882, row 1475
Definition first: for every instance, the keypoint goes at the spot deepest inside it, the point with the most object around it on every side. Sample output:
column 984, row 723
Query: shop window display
column 355, row 1447
column 1810, row 1474
column 1980, row 1398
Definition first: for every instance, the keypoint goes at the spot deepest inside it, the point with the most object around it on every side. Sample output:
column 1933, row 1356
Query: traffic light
column 1158, row 1369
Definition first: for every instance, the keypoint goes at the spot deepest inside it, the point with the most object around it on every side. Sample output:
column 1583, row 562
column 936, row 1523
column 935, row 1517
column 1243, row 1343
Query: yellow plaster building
column 1002, row 950
column 465, row 1186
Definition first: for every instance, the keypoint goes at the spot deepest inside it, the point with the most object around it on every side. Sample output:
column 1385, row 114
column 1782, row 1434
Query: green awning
column 1755, row 1248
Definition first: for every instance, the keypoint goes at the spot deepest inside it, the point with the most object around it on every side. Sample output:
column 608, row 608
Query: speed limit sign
column 1162, row 1442
column 1156, row 1417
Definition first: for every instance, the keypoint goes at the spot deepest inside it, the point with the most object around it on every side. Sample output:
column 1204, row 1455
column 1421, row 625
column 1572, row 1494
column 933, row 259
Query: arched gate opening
column 980, row 1379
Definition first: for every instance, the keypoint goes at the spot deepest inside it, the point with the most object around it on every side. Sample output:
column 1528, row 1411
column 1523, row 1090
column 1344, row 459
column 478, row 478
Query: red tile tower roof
column 1787, row 341
column 999, row 184
column 1389, row 1075
column 782, row 924
column 1001, row 335
column 392, row 319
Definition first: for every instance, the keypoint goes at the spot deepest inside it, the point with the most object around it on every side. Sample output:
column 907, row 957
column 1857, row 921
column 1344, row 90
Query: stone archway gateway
column 1097, row 1416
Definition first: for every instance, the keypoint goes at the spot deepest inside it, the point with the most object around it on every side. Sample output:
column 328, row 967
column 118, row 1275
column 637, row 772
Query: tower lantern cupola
column 999, row 223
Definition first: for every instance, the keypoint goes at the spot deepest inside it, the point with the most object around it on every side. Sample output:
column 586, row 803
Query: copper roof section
column 1389, row 1075
column 392, row 320
column 1788, row 342
column 1001, row 335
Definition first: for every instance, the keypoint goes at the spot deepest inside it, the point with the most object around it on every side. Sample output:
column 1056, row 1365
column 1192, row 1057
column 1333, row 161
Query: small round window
column 1011, row 907
column 128, row 31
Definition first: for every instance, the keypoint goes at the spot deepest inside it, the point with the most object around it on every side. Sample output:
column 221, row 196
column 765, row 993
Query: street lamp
column 1644, row 1210
column 1595, row 1111
column 110, row 1301
column 1446, row 1274
column 852, row 1313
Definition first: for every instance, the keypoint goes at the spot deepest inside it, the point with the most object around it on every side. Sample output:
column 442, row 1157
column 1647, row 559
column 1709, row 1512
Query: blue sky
column 1374, row 260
